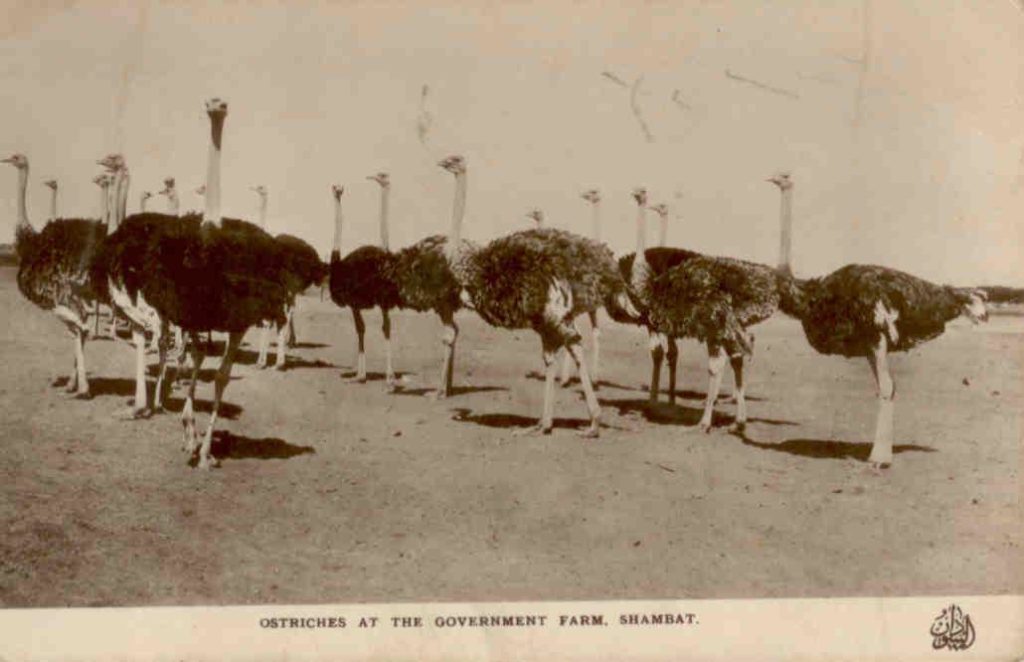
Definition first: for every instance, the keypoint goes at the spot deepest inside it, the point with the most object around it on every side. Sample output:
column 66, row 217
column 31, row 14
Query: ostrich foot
column 879, row 468
column 738, row 427
column 391, row 385
column 83, row 395
column 134, row 414
column 700, row 427
column 207, row 463
column 279, row 367
column 533, row 430
column 70, row 386
column 438, row 394
column 358, row 379
column 590, row 432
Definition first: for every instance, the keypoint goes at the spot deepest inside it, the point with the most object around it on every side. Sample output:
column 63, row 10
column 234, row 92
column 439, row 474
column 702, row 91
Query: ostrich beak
column 9, row 159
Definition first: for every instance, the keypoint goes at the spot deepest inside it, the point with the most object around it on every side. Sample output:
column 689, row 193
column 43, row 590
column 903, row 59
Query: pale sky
column 902, row 122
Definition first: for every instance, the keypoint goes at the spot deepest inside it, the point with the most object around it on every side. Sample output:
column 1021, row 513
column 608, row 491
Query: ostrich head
column 973, row 305
column 168, row 187
column 381, row 178
column 146, row 195
column 537, row 215
column 19, row 161
column 260, row 190
column 781, row 180
column 112, row 162
column 592, row 196
column 337, row 190
column 51, row 184
column 640, row 195
column 103, row 181
column 661, row 209
column 216, row 107
column 454, row 164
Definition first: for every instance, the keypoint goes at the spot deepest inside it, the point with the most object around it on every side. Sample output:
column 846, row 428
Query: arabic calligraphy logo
column 952, row 629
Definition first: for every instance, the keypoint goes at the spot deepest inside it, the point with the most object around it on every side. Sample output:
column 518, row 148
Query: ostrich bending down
column 537, row 279
column 638, row 273
column 54, row 271
column 869, row 311
column 52, row 185
column 201, row 274
column 364, row 279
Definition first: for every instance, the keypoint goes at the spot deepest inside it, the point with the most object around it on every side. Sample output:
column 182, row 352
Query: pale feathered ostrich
column 302, row 267
column 364, row 279
column 869, row 311
column 200, row 273
column 170, row 190
column 538, row 279
column 52, row 185
column 54, row 271
column 653, row 263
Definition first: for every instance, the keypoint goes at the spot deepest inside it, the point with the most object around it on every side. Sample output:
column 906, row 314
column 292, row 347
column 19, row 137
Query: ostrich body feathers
column 364, row 279
column 302, row 265
column 424, row 276
column 55, row 265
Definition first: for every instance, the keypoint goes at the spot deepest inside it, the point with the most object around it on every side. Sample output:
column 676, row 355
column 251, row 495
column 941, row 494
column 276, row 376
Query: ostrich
column 169, row 190
column 200, row 273
column 537, row 216
column 638, row 272
column 538, row 279
column 54, row 271
column 302, row 268
column 143, row 199
column 869, row 311
column 593, row 196
column 52, row 185
column 364, row 279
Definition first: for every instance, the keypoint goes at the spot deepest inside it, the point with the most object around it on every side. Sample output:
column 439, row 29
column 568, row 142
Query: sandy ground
column 336, row 492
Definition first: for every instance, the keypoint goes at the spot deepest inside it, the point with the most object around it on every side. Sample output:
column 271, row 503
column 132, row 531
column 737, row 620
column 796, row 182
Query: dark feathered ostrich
column 538, row 279
column 364, row 279
column 301, row 268
column 201, row 274
column 54, row 271
column 869, row 311
column 423, row 274
column 639, row 273
column 52, row 185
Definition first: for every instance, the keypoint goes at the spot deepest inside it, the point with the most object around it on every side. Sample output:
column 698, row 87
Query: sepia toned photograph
column 350, row 302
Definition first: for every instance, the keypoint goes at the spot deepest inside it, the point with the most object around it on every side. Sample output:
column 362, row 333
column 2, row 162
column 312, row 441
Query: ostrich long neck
column 338, row 223
column 212, row 212
column 105, row 204
column 786, row 233
column 385, row 193
column 121, row 201
column 53, row 204
column 458, row 212
column 142, row 202
column 23, row 231
column 596, row 214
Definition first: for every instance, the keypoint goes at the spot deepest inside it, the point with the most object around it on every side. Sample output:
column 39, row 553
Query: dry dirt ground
column 336, row 492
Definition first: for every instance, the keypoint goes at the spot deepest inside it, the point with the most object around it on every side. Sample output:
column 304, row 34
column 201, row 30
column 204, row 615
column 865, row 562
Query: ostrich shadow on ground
column 683, row 394
column 668, row 414
column 456, row 390
column 575, row 381
column 309, row 345
column 235, row 447
column 228, row 410
column 828, row 449
column 515, row 421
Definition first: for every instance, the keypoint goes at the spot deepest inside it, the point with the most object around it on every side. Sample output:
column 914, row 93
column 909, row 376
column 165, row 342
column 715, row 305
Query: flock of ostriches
column 176, row 278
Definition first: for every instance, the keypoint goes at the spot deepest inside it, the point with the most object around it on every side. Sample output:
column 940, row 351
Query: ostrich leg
column 547, row 421
column 448, row 338
column 656, row 345
column 717, row 358
column 357, row 317
column 595, row 334
column 96, row 319
column 282, row 337
column 163, row 345
column 739, row 425
column 385, row 327
column 566, row 379
column 265, row 328
column 881, row 449
column 188, row 417
column 672, row 356
column 206, row 459
column 78, row 383
column 576, row 350
column 292, row 339
column 140, row 407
